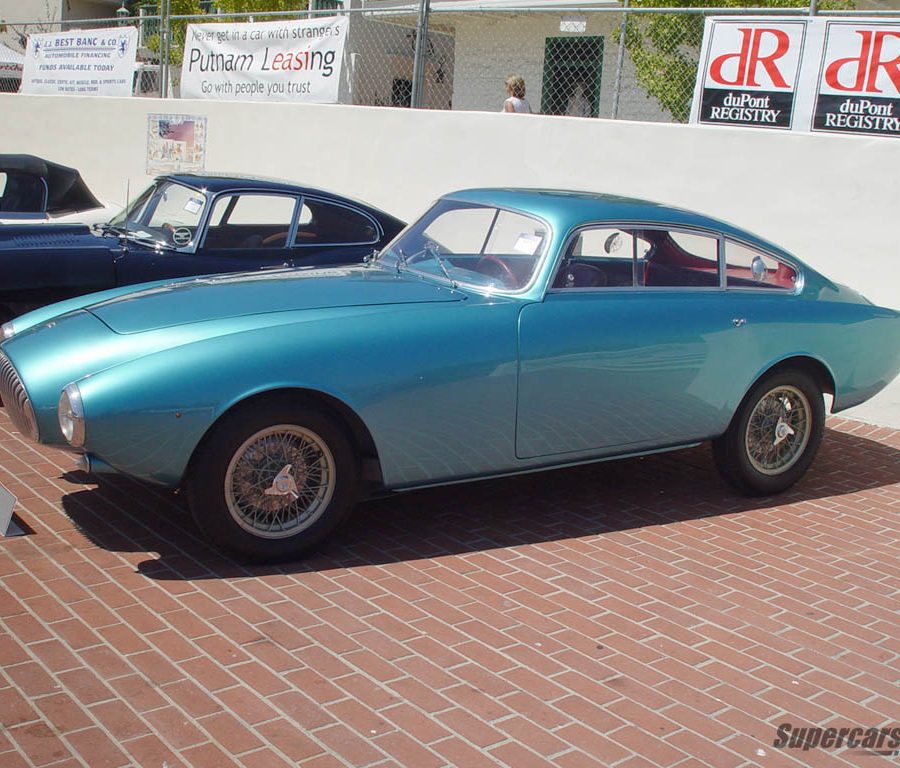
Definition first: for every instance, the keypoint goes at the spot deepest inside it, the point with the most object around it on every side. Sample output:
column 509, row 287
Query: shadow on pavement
column 126, row 516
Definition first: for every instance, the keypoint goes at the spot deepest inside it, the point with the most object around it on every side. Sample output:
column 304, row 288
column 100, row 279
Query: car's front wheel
column 774, row 434
column 272, row 480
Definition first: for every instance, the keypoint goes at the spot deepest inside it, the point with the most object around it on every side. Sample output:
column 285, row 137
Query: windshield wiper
column 431, row 250
column 110, row 229
column 439, row 259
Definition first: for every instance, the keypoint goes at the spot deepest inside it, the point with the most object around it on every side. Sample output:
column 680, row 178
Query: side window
column 22, row 193
column 601, row 257
column 683, row 260
column 324, row 223
column 748, row 268
column 250, row 221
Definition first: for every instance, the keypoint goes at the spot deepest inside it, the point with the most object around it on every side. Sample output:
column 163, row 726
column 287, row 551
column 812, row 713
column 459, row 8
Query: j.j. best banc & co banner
column 269, row 61
column 80, row 62
column 816, row 74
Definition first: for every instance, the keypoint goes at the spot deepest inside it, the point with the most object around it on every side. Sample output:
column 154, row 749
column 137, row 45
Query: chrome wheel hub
column 778, row 430
column 279, row 481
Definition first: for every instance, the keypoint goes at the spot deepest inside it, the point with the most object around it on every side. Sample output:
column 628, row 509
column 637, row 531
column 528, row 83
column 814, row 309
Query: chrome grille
column 15, row 399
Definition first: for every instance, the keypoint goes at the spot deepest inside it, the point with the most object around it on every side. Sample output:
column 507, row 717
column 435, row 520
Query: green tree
column 665, row 48
column 259, row 6
column 177, row 27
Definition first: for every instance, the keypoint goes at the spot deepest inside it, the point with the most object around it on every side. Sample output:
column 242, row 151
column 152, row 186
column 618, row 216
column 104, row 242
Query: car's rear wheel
column 272, row 480
column 774, row 434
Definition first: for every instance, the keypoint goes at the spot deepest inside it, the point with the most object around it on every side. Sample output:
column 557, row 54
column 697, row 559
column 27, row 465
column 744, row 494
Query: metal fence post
column 418, row 74
column 620, row 61
column 165, row 30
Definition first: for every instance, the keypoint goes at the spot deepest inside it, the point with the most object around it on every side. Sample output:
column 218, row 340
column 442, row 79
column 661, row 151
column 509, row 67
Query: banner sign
column 84, row 62
column 269, row 61
column 812, row 74
column 752, row 75
column 859, row 79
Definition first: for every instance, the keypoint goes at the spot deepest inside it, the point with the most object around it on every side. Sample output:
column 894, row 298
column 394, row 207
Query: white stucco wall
column 830, row 199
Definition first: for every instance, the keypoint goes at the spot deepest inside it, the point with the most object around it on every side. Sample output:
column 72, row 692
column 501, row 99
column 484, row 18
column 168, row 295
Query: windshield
column 475, row 245
column 166, row 213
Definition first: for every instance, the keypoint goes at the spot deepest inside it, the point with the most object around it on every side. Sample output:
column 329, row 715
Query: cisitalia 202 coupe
column 183, row 225
column 506, row 331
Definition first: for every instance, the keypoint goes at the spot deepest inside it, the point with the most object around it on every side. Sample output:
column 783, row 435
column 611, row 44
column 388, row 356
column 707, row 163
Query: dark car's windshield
column 477, row 245
column 166, row 213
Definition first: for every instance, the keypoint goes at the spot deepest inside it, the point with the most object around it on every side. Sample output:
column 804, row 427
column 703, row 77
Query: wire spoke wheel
column 774, row 434
column 280, row 481
column 778, row 430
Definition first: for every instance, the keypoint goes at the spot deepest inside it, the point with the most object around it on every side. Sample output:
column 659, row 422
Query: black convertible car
column 36, row 190
column 184, row 225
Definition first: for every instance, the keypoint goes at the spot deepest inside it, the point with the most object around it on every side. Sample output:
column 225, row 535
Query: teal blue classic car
column 505, row 331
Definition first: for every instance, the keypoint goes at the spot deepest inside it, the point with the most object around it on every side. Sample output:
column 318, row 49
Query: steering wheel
column 279, row 239
column 179, row 236
column 497, row 268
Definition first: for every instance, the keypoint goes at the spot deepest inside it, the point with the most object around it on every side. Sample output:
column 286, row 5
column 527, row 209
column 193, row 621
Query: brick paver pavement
column 634, row 613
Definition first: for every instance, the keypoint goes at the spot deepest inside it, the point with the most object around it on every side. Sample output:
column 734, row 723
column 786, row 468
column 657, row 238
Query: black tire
column 774, row 434
column 248, row 497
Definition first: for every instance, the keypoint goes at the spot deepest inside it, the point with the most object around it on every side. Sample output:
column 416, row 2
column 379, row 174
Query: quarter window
column 748, row 268
column 322, row 223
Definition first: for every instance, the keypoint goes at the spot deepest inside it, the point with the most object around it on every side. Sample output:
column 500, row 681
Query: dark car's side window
column 746, row 267
column 624, row 257
column 323, row 223
column 242, row 221
column 22, row 193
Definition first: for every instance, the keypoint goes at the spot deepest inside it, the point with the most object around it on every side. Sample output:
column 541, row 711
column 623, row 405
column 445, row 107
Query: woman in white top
column 515, row 91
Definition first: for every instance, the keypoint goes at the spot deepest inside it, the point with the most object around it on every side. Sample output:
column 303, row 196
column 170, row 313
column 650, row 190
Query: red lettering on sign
column 867, row 64
column 749, row 59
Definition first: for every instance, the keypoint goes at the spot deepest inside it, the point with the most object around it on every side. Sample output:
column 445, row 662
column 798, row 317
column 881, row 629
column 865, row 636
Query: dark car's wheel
column 774, row 434
column 272, row 481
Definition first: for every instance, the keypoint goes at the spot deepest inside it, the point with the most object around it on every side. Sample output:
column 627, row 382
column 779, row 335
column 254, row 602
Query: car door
column 611, row 362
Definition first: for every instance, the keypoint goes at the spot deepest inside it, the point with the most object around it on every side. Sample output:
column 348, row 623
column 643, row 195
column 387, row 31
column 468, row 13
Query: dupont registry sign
column 814, row 74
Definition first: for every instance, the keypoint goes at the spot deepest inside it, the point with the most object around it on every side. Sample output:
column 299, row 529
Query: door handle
column 275, row 266
column 739, row 321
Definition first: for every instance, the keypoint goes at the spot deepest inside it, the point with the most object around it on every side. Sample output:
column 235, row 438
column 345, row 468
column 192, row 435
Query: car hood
column 228, row 296
column 19, row 236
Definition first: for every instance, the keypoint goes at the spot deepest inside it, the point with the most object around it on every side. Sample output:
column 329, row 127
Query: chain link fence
column 588, row 60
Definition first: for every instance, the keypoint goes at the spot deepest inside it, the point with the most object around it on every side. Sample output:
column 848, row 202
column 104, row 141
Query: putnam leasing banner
column 83, row 62
column 270, row 61
column 814, row 74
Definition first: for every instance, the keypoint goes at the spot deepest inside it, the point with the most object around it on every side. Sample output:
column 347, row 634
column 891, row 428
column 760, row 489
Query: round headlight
column 7, row 331
column 71, row 415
